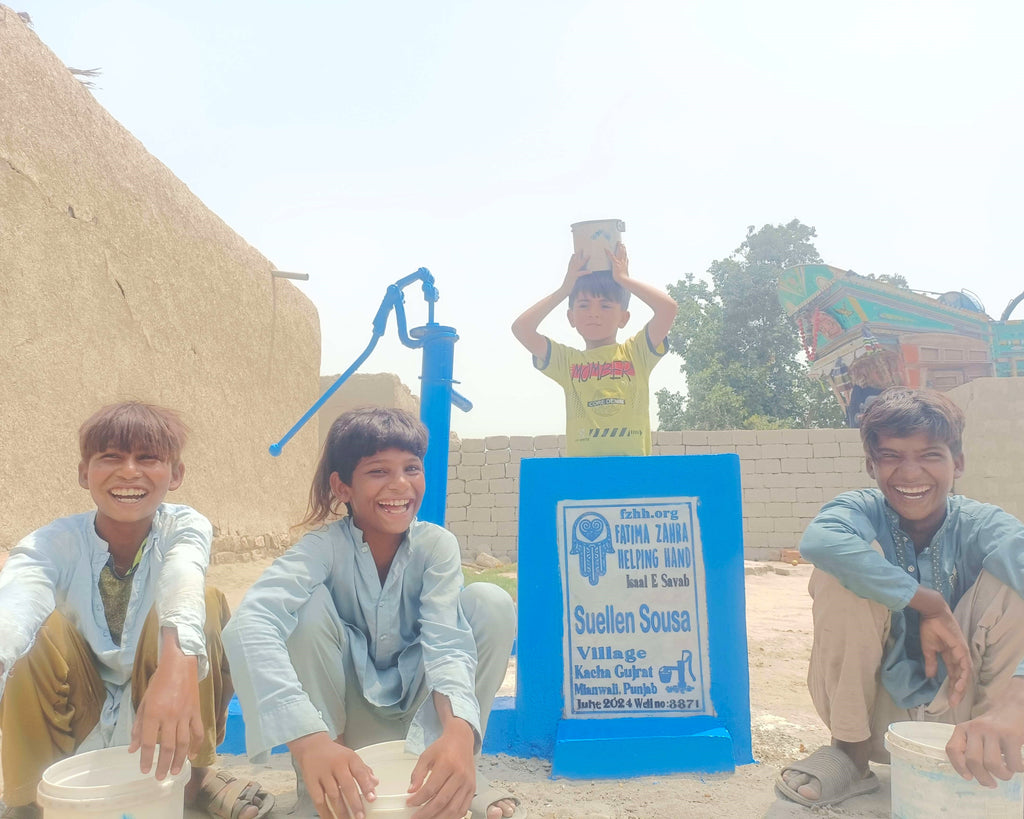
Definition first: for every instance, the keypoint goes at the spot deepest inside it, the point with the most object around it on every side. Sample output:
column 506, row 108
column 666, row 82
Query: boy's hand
column 940, row 634
column 334, row 776
column 169, row 711
column 577, row 267
column 449, row 791
column 989, row 747
column 620, row 263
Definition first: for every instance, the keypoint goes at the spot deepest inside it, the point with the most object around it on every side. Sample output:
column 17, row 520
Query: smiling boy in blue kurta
column 905, row 574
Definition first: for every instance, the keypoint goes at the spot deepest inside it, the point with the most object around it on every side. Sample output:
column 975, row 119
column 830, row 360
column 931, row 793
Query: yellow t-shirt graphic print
column 607, row 395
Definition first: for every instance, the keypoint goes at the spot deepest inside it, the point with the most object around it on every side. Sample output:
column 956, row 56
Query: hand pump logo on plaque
column 635, row 635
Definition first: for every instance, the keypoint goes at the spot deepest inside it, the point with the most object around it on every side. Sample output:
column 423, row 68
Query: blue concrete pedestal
column 595, row 749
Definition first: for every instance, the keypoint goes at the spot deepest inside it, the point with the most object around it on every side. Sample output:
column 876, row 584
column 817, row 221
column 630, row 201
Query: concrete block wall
column 786, row 476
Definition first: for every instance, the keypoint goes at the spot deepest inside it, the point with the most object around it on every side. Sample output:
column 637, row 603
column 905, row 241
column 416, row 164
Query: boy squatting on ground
column 903, row 574
column 90, row 602
column 362, row 633
column 607, row 397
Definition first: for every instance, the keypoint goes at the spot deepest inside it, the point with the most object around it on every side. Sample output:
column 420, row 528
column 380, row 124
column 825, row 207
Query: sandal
column 487, row 796
column 225, row 796
column 835, row 772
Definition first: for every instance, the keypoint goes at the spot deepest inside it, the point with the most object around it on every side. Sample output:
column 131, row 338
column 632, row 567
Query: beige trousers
column 54, row 696
column 850, row 634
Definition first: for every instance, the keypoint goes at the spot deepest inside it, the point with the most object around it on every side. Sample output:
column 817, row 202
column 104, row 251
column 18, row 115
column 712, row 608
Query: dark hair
column 600, row 284
column 130, row 426
column 900, row 412
column 355, row 435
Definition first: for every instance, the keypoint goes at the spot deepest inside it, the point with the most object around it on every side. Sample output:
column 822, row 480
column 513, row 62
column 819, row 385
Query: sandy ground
column 784, row 726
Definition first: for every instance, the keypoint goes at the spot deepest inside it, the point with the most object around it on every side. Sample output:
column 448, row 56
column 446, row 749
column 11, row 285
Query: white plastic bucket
column 393, row 767
column 925, row 784
column 594, row 237
column 107, row 784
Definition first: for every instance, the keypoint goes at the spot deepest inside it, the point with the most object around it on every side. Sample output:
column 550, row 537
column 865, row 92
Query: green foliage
column 741, row 353
column 504, row 576
column 895, row 279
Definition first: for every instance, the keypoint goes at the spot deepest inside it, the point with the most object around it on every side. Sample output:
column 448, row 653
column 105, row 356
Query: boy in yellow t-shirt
column 607, row 397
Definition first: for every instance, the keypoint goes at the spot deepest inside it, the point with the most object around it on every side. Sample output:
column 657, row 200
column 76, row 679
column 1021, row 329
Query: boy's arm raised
column 659, row 301
column 525, row 327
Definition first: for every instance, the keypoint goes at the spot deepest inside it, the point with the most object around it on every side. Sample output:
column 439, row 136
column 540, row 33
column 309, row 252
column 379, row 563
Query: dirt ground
column 784, row 726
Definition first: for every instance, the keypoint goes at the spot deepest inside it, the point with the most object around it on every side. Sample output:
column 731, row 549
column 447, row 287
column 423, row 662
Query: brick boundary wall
column 786, row 475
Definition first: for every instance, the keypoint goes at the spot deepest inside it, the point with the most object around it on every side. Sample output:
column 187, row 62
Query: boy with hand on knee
column 107, row 633
column 363, row 633
column 906, row 574
column 606, row 385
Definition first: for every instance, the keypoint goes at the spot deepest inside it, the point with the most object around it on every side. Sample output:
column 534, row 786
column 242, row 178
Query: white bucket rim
column 920, row 739
column 382, row 753
column 52, row 790
column 619, row 224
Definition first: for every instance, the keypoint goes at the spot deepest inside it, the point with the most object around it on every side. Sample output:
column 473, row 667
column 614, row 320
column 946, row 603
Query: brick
column 778, row 510
column 477, row 514
column 769, row 465
column 826, row 450
column 545, row 442
column 477, row 487
column 472, row 445
column 452, row 472
column 483, row 500
column 800, row 451
column 783, row 540
column 490, row 471
column 810, row 494
column 672, row 449
column 851, row 449
column 484, row 527
column 821, row 436
column 806, row 509
column 695, row 437
column 792, row 525
column 454, row 458
column 468, row 473
column 748, row 467
column 511, row 470
column 456, row 486
column 547, row 453
column 720, row 437
column 496, row 442
column 794, row 436
column 820, row 465
column 742, row 437
column 502, row 485
column 508, row 528
column 748, row 452
column 786, row 494
column 760, row 524
column 697, row 449
column 769, row 436
column 756, row 494
column 754, row 510
column 521, row 443
column 497, row 456
column 460, row 499
column 668, row 437
column 791, row 465
column 507, row 499
column 722, row 449
column 500, row 513
column 460, row 527
column 473, row 458
column 851, row 465
column 454, row 513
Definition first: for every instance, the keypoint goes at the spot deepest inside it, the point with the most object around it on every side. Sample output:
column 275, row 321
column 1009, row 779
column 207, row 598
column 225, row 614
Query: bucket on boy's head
column 107, row 784
column 925, row 784
column 594, row 237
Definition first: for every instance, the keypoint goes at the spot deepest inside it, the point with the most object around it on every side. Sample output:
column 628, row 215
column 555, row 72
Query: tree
column 741, row 353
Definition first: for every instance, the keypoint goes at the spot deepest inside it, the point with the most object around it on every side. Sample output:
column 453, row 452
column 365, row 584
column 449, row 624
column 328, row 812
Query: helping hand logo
column 592, row 541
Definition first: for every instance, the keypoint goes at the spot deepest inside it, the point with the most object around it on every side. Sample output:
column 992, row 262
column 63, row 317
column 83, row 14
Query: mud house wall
column 116, row 282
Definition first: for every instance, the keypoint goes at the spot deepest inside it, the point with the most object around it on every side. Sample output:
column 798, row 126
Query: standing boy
column 905, row 574
column 607, row 396
column 107, row 636
column 362, row 633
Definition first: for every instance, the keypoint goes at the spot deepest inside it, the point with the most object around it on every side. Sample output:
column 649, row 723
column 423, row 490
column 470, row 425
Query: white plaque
column 635, row 633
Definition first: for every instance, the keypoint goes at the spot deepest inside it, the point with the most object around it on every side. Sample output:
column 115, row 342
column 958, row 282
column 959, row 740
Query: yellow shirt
column 607, row 395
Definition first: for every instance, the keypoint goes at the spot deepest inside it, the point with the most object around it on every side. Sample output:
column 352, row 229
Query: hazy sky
column 358, row 141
